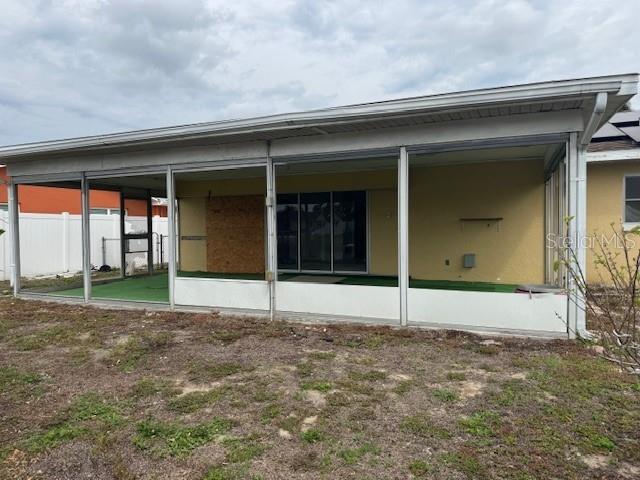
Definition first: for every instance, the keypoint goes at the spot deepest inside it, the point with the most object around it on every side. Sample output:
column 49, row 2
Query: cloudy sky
column 81, row 67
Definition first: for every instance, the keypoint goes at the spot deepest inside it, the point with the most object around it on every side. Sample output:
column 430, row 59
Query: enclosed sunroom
column 434, row 211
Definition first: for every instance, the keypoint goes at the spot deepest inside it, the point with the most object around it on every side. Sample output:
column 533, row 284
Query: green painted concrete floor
column 155, row 288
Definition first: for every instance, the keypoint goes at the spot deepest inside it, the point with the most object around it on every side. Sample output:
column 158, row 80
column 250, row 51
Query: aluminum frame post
column 403, row 234
column 86, row 238
column 14, row 236
column 577, row 231
column 272, row 240
column 171, row 224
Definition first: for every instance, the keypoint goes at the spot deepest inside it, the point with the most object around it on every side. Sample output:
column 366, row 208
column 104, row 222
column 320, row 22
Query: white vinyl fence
column 52, row 243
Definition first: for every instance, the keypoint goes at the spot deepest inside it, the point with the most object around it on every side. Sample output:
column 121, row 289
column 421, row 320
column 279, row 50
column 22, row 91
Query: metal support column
column 86, row 238
column 171, row 225
column 14, row 236
column 403, row 233
column 149, row 234
column 577, row 229
column 272, row 247
column 123, row 242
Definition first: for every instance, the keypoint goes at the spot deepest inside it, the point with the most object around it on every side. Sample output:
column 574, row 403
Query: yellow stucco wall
column 511, row 251
column 192, row 215
column 605, row 202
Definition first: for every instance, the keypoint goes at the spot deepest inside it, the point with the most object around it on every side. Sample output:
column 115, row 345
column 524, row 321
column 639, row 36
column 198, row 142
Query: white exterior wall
column 544, row 312
column 344, row 300
column 52, row 243
column 222, row 293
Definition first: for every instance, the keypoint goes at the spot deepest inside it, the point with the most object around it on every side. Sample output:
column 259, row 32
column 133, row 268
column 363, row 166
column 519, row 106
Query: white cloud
column 72, row 68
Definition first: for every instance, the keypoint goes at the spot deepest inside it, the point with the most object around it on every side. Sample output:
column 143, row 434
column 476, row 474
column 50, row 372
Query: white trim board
column 614, row 155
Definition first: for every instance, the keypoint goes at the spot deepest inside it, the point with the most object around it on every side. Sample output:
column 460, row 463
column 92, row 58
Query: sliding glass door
column 322, row 231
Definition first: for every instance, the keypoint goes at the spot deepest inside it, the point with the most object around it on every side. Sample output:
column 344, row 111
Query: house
column 613, row 170
column 38, row 199
column 426, row 211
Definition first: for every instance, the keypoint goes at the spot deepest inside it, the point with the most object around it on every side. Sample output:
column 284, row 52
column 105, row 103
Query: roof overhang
column 578, row 94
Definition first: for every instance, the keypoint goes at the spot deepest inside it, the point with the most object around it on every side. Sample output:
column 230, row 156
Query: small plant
column 445, row 395
column 420, row 468
column 422, row 426
column 370, row 376
column 351, row 456
column 613, row 301
column 176, row 439
column 322, row 355
column 319, row 386
column 463, row 462
column 270, row 412
column 602, row 442
column 456, row 376
column 11, row 377
column 193, row 401
column 242, row 449
column 403, row 387
column 313, row 435
column 480, row 424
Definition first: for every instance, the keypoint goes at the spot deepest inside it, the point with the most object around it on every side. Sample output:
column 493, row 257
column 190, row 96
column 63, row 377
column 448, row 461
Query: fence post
column 65, row 242
column 3, row 242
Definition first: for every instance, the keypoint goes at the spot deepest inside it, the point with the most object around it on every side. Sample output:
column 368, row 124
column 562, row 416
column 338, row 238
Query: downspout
column 593, row 124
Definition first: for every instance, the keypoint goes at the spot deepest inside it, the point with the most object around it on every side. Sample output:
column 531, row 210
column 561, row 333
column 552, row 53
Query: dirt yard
column 90, row 393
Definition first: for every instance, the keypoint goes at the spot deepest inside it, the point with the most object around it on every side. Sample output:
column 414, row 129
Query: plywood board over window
column 235, row 234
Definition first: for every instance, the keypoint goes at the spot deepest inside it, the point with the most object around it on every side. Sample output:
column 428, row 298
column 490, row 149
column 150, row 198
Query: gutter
column 595, row 120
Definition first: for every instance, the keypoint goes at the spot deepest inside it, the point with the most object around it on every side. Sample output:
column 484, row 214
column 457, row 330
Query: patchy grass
column 192, row 401
column 162, row 438
column 320, row 386
column 445, row 394
column 422, row 426
column 481, row 424
column 322, row 355
column 130, row 354
column 456, row 376
column 351, row 456
column 313, row 435
column 420, row 468
column 369, row 376
column 210, row 371
column 240, row 450
column 134, row 394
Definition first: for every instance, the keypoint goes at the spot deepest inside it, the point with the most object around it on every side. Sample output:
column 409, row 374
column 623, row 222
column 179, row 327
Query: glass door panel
column 315, row 231
column 287, row 214
column 350, row 231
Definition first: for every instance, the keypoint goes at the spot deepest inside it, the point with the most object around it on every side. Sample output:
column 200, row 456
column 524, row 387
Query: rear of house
column 429, row 211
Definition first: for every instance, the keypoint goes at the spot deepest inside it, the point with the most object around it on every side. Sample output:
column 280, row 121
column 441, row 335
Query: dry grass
column 89, row 393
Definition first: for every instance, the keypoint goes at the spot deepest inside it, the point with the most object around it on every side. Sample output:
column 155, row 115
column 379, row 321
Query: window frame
column 627, row 225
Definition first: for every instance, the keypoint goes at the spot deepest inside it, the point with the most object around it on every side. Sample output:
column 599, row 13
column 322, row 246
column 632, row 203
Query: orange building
column 36, row 199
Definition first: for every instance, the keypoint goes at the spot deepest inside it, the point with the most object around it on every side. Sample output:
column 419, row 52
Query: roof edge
column 619, row 85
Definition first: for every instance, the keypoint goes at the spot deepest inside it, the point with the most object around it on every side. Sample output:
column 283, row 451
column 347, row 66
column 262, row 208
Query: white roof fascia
column 615, row 85
column 614, row 155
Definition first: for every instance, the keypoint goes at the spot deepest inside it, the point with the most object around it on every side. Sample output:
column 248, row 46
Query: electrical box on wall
column 469, row 260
